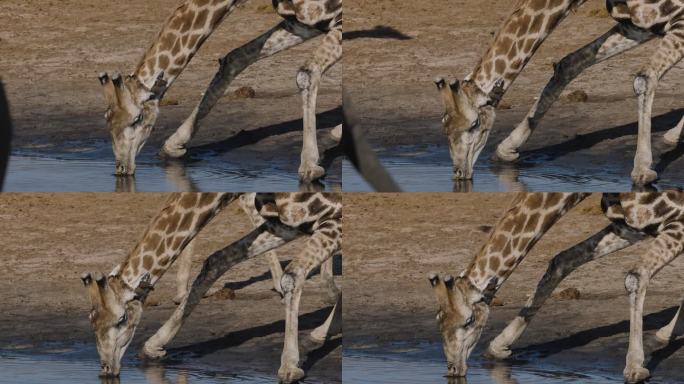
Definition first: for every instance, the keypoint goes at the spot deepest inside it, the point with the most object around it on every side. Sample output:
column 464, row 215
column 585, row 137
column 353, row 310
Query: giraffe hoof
column 336, row 133
column 636, row 374
column 671, row 138
column 506, row 154
column 172, row 151
column 644, row 176
column 664, row 335
column 319, row 335
column 290, row 374
column 309, row 173
column 152, row 352
column 498, row 352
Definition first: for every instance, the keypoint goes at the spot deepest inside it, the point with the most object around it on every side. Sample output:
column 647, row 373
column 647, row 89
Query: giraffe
column 470, row 105
column 117, row 299
column 133, row 101
column 464, row 301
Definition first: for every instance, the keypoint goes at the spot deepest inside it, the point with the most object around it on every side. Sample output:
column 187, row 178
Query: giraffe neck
column 184, row 215
column 517, row 41
column 530, row 216
column 181, row 36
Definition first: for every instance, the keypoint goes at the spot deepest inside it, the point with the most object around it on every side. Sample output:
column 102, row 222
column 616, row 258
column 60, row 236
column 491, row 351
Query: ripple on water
column 54, row 368
column 392, row 367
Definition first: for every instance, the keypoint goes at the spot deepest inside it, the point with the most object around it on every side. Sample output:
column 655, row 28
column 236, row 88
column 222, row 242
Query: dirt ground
column 50, row 239
column 52, row 52
column 393, row 241
column 389, row 80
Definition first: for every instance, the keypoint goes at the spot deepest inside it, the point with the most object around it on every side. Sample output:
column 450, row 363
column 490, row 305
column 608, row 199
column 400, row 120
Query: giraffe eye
column 469, row 322
column 122, row 319
column 475, row 124
column 138, row 119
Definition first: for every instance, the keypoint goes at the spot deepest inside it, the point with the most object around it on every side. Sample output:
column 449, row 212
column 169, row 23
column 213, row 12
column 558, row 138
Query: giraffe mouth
column 123, row 170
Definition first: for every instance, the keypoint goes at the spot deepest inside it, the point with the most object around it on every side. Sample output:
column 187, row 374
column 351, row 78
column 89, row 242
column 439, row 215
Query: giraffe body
column 133, row 104
column 470, row 105
column 117, row 300
column 464, row 301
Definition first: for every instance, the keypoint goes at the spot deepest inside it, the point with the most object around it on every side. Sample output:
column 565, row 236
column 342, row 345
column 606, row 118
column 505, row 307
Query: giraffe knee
column 632, row 281
column 304, row 79
column 643, row 82
column 287, row 282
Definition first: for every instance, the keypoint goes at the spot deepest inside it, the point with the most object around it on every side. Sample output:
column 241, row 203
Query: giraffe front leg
column 319, row 247
column 665, row 248
column 608, row 240
column 674, row 328
column 669, row 52
column 247, row 205
column 328, row 280
column 275, row 40
column 260, row 240
column 308, row 80
column 619, row 39
column 184, row 262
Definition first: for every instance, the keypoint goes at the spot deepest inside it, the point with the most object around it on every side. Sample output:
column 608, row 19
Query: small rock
column 169, row 102
column 245, row 93
column 152, row 302
column 578, row 96
column 504, row 105
column 485, row 228
column 224, row 294
column 568, row 294
column 496, row 302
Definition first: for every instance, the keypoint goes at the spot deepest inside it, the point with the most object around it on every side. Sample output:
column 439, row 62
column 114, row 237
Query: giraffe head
column 132, row 110
column 115, row 313
column 461, row 316
column 467, row 120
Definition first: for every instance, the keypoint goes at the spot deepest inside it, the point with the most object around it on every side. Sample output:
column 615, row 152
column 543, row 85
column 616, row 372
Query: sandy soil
column 52, row 52
column 390, row 80
column 50, row 239
column 393, row 241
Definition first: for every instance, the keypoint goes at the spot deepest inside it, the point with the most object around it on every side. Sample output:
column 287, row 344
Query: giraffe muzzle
column 123, row 170
column 106, row 371
column 462, row 174
column 456, row 370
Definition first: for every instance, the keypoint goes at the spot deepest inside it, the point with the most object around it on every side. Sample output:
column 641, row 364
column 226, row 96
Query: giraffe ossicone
column 469, row 115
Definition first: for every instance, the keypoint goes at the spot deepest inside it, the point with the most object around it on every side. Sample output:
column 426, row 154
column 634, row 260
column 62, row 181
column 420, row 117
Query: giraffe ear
column 159, row 88
column 496, row 93
column 144, row 288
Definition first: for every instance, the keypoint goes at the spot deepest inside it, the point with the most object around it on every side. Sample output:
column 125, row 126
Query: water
column 429, row 169
column 88, row 167
column 67, row 367
column 425, row 364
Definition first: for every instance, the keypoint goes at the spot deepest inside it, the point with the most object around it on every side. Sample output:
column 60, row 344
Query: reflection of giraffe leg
column 674, row 328
column 608, row 240
column 319, row 247
column 262, row 239
column 277, row 39
column 247, row 205
column 670, row 51
column 665, row 248
column 308, row 80
column 619, row 39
